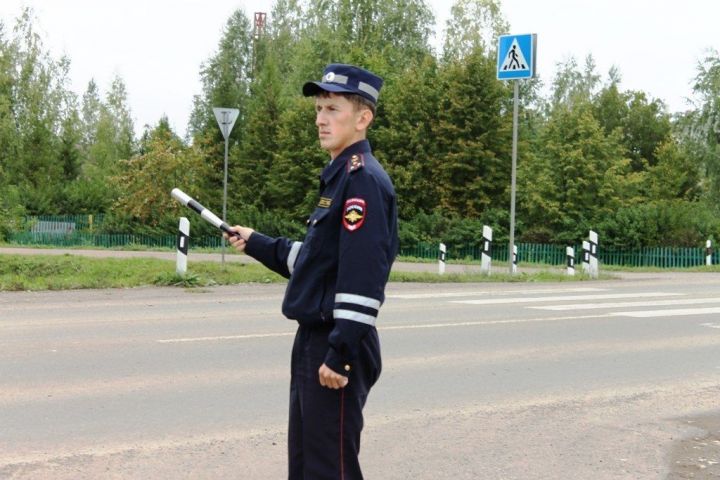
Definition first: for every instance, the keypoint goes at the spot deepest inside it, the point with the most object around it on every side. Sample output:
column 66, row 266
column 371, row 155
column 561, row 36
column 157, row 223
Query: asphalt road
column 589, row 380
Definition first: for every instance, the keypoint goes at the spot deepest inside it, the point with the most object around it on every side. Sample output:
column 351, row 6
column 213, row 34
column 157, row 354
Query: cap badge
column 330, row 76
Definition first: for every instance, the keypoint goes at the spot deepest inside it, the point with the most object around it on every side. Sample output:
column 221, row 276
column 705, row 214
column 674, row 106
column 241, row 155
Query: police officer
column 337, row 278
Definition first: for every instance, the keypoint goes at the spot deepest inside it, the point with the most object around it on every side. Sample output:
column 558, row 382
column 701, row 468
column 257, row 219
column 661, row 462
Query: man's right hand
column 240, row 242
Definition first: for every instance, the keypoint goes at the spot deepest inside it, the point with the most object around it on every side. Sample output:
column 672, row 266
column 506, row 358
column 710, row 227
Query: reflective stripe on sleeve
column 354, row 316
column 357, row 300
column 292, row 256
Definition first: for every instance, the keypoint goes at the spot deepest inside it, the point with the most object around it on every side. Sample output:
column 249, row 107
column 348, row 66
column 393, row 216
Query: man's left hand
column 331, row 379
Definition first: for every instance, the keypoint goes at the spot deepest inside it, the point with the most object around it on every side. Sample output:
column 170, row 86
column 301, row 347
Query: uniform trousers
column 325, row 424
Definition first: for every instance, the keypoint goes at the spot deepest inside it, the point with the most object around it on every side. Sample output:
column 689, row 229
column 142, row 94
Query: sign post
column 516, row 61
column 708, row 253
column 586, row 257
column 183, row 245
column 226, row 120
column 485, row 256
column 570, row 253
column 441, row 259
column 594, row 243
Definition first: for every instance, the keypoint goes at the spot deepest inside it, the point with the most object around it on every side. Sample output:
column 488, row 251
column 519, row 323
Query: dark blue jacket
column 338, row 273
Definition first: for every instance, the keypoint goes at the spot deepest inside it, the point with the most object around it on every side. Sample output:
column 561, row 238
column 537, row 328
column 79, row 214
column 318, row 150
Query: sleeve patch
column 354, row 214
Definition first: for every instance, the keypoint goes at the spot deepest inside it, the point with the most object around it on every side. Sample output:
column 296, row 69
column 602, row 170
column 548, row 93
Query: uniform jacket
column 338, row 272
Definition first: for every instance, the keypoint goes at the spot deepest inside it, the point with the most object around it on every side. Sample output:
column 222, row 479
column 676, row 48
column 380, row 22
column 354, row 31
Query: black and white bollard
column 570, row 253
column 441, row 259
column 183, row 243
column 585, row 262
column 708, row 253
column 515, row 259
column 594, row 269
column 485, row 258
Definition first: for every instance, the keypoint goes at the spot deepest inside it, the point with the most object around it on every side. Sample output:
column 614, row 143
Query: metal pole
column 225, row 181
column 516, row 94
column 226, row 119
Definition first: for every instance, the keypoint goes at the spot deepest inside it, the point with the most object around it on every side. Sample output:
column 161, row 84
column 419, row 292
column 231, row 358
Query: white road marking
column 567, row 298
column 667, row 313
column 648, row 303
column 491, row 322
column 639, row 314
column 711, row 325
column 420, row 296
column 391, row 327
column 226, row 337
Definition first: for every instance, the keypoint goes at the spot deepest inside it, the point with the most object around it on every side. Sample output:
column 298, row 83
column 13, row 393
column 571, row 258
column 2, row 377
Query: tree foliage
column 146, row 180
column 701, row 126
column 590, row 154
column 56, row 155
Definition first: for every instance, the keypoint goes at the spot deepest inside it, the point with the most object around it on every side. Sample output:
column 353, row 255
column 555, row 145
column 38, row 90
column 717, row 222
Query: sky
column 158, row 46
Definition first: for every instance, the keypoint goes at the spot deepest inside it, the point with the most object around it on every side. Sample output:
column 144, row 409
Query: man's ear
column 365, row 119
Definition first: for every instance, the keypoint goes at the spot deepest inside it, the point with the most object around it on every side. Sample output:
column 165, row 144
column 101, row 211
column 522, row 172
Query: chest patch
column 354, row 213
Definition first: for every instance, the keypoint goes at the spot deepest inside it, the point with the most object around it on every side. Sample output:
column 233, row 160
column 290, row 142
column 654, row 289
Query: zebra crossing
column 628, row 304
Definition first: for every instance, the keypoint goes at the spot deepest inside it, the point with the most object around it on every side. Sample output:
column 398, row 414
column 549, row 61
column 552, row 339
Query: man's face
column 339, row 123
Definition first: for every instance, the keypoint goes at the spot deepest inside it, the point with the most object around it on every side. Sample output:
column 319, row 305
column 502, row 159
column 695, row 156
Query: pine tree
column 37, row 95
column 578, row 176
column 474, row 136
column 403, row 137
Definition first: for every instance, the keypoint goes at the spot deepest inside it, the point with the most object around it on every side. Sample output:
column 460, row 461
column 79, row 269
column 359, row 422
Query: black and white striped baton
column 208, row 215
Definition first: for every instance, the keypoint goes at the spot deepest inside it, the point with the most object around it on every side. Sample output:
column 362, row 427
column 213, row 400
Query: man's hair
column 359, row 102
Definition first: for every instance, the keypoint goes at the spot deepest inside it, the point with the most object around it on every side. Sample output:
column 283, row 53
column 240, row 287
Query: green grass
column 63, row 272
column 699, row 268
column 130, row 247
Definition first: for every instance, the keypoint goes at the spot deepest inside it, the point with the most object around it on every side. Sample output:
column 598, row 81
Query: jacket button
column 347, row 368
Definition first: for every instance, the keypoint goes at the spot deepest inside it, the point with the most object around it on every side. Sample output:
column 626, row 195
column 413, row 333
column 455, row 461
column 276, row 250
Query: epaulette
column 356, row 162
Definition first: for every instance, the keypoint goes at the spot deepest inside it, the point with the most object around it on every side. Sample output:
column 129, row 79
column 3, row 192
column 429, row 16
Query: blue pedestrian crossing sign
column 516, row 56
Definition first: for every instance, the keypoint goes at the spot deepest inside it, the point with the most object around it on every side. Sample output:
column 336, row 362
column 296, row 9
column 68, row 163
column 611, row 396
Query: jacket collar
column 340, row 162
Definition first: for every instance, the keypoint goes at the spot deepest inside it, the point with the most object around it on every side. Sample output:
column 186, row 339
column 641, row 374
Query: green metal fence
column 82, row 233
column 79, row 239
column 87, row 222
column 663, row 257
column 527, row 252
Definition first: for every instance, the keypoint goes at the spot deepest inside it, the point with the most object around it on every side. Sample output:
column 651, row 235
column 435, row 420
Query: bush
column 670, row 223
column 455, row 231
column 272, row 223
column 12, row 214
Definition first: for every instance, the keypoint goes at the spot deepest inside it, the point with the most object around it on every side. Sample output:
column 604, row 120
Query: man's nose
column 320, row 119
